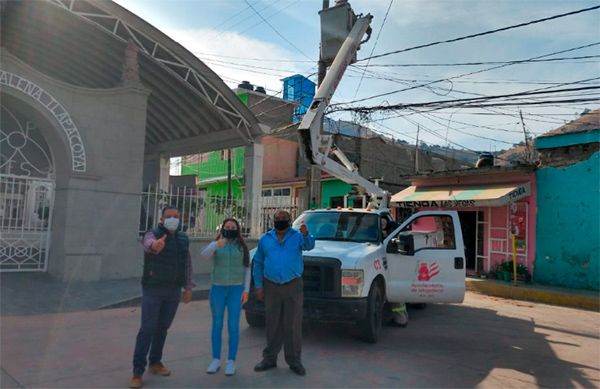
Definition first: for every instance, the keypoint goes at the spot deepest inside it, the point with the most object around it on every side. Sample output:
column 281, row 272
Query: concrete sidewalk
column 572, row 298
column 38, row 293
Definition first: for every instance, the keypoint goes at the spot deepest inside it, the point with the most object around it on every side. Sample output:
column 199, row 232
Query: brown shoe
column 136, row 382
column 159, row 369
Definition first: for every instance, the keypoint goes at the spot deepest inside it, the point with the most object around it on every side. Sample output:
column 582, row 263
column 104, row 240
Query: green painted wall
column 244, row 98
column 568, row 139
column 215, row 166
column 567, row 225
column 219, row 189
column 333, row 188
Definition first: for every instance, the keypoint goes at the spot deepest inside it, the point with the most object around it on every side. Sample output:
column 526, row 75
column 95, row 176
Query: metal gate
column 26, row 205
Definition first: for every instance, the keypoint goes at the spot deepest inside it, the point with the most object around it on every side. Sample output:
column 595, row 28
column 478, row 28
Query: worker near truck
column 399, row 312
column 277, row 271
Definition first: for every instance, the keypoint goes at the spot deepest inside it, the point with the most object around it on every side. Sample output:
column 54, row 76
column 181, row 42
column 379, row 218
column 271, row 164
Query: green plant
column 522, row 269
column 507, row 266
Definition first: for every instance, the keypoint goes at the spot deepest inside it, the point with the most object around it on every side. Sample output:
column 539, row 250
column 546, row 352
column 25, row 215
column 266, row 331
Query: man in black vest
column 167, row 268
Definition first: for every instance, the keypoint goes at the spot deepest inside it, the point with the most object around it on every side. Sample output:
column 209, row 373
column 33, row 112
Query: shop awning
column 461, row 196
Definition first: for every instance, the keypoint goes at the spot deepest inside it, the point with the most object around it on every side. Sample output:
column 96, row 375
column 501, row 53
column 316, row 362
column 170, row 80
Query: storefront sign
column 438, row 204
column 483, row 196
column 519, row 192
column 518, row 225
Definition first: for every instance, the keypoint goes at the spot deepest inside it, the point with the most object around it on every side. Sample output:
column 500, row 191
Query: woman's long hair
column 239, row 240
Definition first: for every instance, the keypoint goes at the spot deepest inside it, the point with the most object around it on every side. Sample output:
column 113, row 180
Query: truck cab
column 354, row 271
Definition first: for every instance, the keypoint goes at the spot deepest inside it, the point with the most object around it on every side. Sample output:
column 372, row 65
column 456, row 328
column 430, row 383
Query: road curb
column 197, row 294
column 510, row 291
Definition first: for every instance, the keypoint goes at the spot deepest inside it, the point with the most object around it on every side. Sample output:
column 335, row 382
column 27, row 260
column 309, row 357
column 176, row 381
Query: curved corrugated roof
column 83, row 43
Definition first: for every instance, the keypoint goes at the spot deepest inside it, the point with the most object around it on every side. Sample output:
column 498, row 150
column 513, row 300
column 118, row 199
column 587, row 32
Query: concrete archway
column 28, row 91
column 27, row 187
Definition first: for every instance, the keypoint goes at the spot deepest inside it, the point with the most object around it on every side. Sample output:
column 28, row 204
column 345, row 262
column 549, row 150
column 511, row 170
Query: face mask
column 230, row 234
column 281, row 224
column 171, row 223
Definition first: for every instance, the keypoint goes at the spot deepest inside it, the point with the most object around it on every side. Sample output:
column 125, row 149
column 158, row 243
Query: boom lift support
column 318, row 146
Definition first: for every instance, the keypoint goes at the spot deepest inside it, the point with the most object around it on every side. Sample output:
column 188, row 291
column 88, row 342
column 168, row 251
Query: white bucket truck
column 354, row 272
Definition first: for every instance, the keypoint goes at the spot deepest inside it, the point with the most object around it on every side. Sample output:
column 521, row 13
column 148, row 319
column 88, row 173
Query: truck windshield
column 344, row 226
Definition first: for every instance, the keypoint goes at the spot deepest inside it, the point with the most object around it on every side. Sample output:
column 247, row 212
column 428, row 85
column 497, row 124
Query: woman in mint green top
column 230, row 285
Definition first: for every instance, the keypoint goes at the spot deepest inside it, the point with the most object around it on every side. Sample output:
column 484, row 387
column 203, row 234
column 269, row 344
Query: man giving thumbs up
column 167, row 269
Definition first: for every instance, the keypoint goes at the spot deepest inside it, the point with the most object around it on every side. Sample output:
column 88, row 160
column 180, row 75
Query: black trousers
column 283, row 320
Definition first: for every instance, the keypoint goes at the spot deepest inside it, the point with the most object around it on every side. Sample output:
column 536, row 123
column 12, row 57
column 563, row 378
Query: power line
column 250, row 69
column 427, row 116
column 464, row 80
column 275, row 30
column 541, row 103
column 468, row 74
column 436, row 134
column 484, row 33
column 252, row 59
column 458, row 102
column 270, row 16
column 216, row 32
column 243, row 66
column 374, row 46
column 485, row 127
column 230, row 18
column 477, row 63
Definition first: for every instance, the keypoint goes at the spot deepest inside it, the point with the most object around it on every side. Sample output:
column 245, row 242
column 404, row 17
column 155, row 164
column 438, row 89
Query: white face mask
column 171, row 223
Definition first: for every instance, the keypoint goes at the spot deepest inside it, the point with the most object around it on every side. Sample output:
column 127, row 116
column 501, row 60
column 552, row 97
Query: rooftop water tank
column 246, row 85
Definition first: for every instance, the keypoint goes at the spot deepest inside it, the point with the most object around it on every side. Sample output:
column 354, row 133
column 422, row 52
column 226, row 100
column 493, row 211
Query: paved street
column 487, row 341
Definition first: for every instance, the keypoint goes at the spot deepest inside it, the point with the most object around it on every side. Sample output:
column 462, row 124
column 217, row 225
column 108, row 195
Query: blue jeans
column 159, row 306
column 220, row 298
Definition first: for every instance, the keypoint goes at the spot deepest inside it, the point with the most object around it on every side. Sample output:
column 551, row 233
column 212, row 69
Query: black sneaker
column 298, row 369
column 264, row 365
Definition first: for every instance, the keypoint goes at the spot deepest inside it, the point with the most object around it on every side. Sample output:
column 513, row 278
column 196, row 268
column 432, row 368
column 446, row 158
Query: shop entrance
column 468, row 224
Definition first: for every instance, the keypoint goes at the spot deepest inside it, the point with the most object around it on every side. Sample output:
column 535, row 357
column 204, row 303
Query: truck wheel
column 370, row 327
column 255, row 319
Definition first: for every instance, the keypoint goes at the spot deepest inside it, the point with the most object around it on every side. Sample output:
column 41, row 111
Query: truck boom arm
column 318, row 146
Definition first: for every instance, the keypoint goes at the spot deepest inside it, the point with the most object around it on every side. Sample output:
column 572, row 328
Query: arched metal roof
column 83, row 42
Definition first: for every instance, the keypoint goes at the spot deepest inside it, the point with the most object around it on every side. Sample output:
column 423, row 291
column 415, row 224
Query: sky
column 237, row 43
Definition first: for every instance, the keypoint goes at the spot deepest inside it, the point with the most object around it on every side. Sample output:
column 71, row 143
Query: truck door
column 426, row 259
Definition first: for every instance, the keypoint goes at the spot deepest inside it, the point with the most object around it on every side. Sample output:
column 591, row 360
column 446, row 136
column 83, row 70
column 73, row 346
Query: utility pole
column 527, row 153
column 313, row 174
column 228, row 178
column 322, row 65
column 417, row 150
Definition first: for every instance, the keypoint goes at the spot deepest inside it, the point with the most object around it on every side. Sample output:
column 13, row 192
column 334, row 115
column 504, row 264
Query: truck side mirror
column 392, row 247
column 405, row 244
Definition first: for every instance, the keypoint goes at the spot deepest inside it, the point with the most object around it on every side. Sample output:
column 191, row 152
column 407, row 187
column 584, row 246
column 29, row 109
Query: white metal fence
column 202, row 215
column 26, row 205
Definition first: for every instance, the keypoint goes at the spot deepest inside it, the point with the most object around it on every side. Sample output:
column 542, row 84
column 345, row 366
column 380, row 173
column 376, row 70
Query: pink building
column 494, row 203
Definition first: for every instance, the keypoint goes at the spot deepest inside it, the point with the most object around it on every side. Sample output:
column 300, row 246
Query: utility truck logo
column 426, row 273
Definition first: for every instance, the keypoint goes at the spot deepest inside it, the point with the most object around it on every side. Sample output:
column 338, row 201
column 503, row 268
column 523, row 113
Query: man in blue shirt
column 277, row 272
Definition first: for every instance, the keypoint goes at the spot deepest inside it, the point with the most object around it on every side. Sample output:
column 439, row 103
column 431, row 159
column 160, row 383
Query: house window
column 277, row 197
column 281, row 192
